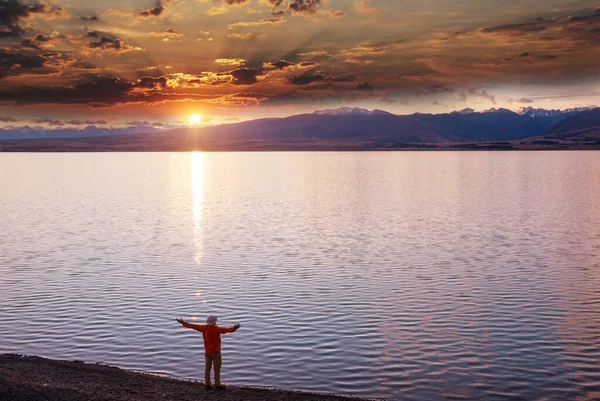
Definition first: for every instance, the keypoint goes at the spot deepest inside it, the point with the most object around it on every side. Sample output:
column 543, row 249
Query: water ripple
column 439, row 276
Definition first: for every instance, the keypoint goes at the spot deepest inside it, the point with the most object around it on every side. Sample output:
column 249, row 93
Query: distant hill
column 582, row 126
column 90, row 131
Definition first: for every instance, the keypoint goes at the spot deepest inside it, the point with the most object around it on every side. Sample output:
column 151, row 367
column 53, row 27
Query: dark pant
column 210, row 360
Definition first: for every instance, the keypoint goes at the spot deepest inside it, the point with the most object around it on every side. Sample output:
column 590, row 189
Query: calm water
column 438, row 275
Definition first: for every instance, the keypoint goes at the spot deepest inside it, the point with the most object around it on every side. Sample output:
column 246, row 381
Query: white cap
column 211, row 320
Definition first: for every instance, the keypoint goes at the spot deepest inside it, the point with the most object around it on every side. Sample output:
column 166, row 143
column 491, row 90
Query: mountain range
column 355, row 124
column 349, row 126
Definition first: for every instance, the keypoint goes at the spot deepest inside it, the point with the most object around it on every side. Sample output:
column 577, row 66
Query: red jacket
column 211, row 333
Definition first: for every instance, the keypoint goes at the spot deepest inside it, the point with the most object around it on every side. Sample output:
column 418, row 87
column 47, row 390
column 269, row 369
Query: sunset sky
column 70, row 63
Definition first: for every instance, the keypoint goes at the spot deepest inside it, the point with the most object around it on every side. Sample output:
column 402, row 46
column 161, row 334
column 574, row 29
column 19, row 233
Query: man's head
column 211, row 320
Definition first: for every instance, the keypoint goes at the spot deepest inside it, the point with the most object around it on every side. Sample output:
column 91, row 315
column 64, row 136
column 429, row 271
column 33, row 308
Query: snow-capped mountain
column 531, row 112
column 466, row 111
column 345, row 111
column 500, row 110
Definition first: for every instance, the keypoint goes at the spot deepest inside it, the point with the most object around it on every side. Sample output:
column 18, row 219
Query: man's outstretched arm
column 198, row 327
column 231, row 329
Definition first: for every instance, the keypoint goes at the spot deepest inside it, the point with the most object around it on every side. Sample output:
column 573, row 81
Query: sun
column 195, row 119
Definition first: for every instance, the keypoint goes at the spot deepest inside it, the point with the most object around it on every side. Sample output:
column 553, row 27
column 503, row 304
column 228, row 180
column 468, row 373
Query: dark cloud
column 307, row 78
column 281, row 64
column 40, row 37
column 156, row 11
column 49, row 121
column 578, row 28
column 307, row 64
column 93, row 18
column 364, row 86
column 343, row 78
column 29, row 44
column 236, row 2
column 14, row 11
column 304, row 7
column 51, row 55
column 86, row 122
column 516, row 29
column 152, row 82
column 244, row 76
column 16, row 64
column 8, row 119
column 101, row 91
column 84, row 65
column 109, row 43
column 436, row 88
column 94, row 34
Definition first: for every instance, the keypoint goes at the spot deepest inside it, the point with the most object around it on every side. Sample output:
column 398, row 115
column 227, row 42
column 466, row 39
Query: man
column 211, row 333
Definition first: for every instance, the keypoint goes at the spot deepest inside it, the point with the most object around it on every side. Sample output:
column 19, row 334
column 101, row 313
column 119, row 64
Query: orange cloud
column 362, row 7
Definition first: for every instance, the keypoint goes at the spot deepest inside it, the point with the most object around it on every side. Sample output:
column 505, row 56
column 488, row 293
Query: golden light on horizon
column 195, row 119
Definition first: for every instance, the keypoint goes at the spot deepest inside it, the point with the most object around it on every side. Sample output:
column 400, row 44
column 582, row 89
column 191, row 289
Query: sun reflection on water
column 197, row 184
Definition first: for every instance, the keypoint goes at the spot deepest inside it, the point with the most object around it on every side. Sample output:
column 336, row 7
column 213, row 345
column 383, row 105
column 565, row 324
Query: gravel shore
column 31, row 378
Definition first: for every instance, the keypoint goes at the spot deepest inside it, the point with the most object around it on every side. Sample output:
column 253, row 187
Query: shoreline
column 24, row 378
column 112, row 144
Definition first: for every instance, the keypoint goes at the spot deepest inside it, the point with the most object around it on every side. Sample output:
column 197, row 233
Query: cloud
column 109, row 43
column 86, row 122
column 362, row 7
column 264, row 21
column 157, row 11
column 40, row 37
column 29, row 44
column 218, row 10
column 307, row 78
column 368, row 49
column 12, row 63
column 364, row 86
column 230, row 61
column 12, row 12
column 49, row 121
column 93, row 18
column 332, row 13
column 315, row 53
column 244, row 76
column 304, row 7
column 8, row 119
column 246, row 36
column 167, row 34
column 225, row 5
column 102, row 91
column 515, row 29
column 467, row 94
column 152, row 82
column 576, row 29
column 278, row 65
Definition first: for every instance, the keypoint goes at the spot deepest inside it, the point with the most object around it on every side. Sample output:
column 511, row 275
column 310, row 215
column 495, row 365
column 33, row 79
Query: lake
column 404, row 275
